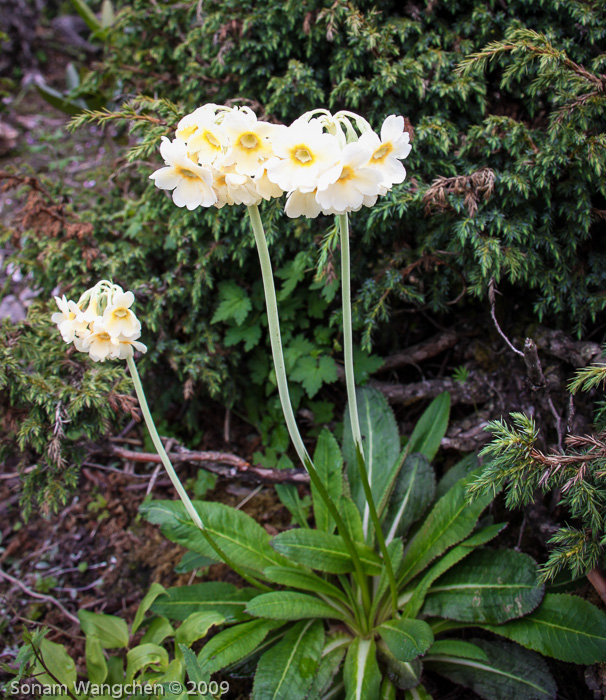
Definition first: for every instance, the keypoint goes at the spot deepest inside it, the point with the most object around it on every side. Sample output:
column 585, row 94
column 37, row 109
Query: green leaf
column 381, row 442
column 158, row 630
column 446, row 562
column 313, row 372
column 191, row 561
column 457, row 647
column 143, row 657
column 155, row 590
column 111, row 631
column 406, row 638
column 244, row 541
column 87, row 15
column 288, row 605
column 351, row 518
column 300, row 578
column 365, row 365
column 234, row 643
column 450, row 520
column 59, row 101
column 412, row 494
column 509, row 672
column 249, row 335
column 565, row 627
column 489, row 586
column 59, row 663
column 319, row 550
column 331, row 660
column 458, row 471
column 329, row 465
column 222, row 598
column 96, row 666
column 418, row 693
column 289, row 497
column 196, row 626
column 404, row 674
column 194, row 672
column 286, row 670
column 234, row 305
column 395, row 549
column 431, row 427
column 108, row 16
column 361, row 673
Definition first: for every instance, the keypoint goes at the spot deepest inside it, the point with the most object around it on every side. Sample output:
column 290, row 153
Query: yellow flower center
column 121, row 313
column 346, row 174
column 186, row 132
column 249, row 141
column 382, row 151
column 302, row 155
column 212, row 140
column 104, row 336
column 184, row 172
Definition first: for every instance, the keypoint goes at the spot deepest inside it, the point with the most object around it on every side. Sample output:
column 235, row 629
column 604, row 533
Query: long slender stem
column 278, row 358
column 189, row 506
column 369, row 507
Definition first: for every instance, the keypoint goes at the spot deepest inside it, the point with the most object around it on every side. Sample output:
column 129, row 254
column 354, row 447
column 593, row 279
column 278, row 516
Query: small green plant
column 461, row 374
column 516, row 464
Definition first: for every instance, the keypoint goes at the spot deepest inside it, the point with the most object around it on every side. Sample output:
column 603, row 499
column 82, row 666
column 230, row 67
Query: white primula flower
column 190, row 123
column 99, row 343
column 250, row 143
column 191, row 182
column 344, row 187
column 233, row 188
column 302, row 203
column 303, row 153
column 208, row 142
column 387, row 151
column 69, row 319
column 118, row 319
column 265, row 187
column 125, row 346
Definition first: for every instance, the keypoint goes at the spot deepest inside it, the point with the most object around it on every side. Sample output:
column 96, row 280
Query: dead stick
column 40, row 596
column 597, row 580
column 221, row 463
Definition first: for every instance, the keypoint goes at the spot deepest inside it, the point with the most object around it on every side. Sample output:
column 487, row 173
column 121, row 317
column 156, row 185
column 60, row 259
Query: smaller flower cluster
column 326, row 164
column 101, row 323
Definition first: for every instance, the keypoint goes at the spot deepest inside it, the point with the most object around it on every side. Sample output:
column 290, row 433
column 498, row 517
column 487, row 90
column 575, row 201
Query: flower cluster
column 326, row 164
column 101, row 323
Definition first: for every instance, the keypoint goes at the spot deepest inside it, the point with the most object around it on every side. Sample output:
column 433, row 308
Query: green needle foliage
column 516, row 465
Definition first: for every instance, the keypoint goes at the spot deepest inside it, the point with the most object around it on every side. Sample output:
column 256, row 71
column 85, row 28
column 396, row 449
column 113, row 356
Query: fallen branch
column 558, row 344
column 221, row 463
column 473, row 391
column 40, row 596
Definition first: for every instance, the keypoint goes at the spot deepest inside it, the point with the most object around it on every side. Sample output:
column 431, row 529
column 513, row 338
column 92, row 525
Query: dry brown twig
column 474, row 187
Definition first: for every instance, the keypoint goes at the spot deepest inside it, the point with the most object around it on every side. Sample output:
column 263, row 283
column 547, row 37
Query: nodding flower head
column 101, row 323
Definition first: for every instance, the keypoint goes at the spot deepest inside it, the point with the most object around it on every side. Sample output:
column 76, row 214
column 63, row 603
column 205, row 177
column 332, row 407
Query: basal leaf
column 431, row 427
column 222, row 598
column 331, row 660
column 406, row 638
column 319, row 550
column 300, row 578
column 565, row 627
column 145, row 656
column 196, row 626
column 412, row 494
column 404, row 674
column 329, row 465
column 489, row 586
column 286, row 670
column 451, row 520
column 288, row 605
column 509, row 672
column 361, row 673
column 155, row 590
column 96, row 666
column 244, row 541
column 59, row 663
column 457, row 647
column 234, row 643
column 111, row 631
column 381, row 443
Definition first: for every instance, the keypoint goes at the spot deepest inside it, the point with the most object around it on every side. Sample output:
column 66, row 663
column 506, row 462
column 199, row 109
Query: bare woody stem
column 189, row 506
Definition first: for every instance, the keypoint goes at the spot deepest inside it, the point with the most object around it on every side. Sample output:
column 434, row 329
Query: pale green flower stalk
column 278, row 357
column 189, row 506
column 369, row 507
